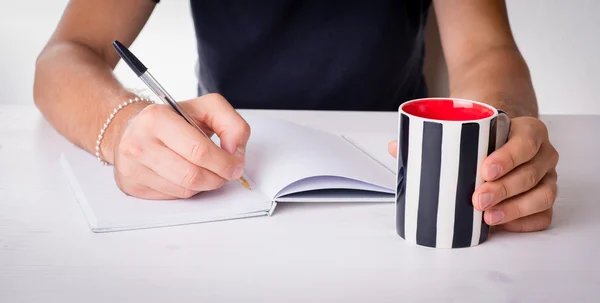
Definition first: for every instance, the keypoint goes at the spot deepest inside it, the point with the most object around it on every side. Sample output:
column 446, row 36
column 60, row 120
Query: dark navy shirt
column 311, row 54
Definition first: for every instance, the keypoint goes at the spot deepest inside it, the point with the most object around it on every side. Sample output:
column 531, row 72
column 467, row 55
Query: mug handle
column 502, row 128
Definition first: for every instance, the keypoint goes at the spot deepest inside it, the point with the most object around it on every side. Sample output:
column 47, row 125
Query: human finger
column 393, row 148
column 179, row 136
column 536, row 222
column 131, row 188
column 175, row 170
column 147, row 177
column 519, row 180
column 537, row 200
column 217, row 114
column 525, row 139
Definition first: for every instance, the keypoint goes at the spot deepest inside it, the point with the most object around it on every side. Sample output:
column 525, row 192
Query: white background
column 559, row 39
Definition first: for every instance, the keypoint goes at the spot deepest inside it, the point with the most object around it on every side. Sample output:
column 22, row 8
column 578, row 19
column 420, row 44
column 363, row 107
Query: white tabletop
column 303, row 253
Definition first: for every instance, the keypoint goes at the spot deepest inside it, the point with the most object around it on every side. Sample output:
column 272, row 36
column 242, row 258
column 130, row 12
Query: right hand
column 161, row 156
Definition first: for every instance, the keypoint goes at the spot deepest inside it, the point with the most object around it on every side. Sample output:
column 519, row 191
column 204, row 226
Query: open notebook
column 286, row 162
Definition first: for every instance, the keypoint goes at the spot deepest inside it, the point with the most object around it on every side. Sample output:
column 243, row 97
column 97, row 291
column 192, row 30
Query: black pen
column 142, row 72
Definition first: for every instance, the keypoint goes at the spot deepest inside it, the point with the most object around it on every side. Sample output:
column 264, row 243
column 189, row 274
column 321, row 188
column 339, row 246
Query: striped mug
column 441, row 145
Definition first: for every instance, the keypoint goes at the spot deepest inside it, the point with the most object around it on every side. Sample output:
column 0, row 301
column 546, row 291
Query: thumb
column 393, row 148
column 214, row 111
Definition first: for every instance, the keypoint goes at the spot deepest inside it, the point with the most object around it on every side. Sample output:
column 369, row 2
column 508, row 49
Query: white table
column 304, row 253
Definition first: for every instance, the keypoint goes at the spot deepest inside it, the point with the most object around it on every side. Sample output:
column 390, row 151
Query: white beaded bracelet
column 112, row 115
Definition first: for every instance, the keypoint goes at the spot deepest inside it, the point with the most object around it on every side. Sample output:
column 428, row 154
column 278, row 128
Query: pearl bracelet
column 112, row 115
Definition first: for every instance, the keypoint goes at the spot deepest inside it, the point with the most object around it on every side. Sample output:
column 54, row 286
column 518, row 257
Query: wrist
column 499, row 77
column 113, row 132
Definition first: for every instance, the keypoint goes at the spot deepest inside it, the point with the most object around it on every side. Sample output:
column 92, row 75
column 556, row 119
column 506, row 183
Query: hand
column 520, row 188
column 161, row 156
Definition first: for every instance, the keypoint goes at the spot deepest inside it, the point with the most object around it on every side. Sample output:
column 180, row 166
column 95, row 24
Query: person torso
column 311, row 54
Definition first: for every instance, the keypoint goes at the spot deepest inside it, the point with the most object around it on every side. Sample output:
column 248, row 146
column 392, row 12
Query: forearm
column 76, row 91
column 483, row 59
column 499, row 77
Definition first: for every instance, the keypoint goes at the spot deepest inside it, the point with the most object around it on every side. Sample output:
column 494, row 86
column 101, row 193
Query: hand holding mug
column 521, row 179
column 518, row 179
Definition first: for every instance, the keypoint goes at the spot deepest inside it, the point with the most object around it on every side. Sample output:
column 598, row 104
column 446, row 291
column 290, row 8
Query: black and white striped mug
column 441, row 145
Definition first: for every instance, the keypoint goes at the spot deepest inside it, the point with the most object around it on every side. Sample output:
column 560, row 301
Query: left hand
column 520, row 187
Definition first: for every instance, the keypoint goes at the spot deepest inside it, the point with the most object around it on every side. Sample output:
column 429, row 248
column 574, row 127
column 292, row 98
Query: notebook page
column 329, row 182
column 337, row 196
column 375, row 145
column 107, row 208
column 280, row 153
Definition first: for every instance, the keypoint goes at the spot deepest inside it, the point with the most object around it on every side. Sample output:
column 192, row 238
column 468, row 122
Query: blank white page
column 329, row 182
column 376, row 145
column 280, row 153
column 107, row 208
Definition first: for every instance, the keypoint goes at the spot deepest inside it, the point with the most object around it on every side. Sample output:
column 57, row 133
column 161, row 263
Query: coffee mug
column 441, row 145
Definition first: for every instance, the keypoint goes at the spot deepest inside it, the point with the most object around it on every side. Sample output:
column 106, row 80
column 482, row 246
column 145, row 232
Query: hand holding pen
column 161, row 155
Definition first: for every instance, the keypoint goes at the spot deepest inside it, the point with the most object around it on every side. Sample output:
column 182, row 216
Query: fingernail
column 492, row 171
column 237, row 173
column 240, row 153
column 496, row 216
column 485, row 200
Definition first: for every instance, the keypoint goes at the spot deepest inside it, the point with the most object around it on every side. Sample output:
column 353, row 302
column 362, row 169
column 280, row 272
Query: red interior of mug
column 447, row 109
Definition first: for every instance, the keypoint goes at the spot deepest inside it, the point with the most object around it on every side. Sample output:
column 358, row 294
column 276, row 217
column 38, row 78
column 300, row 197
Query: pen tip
column 245, row 183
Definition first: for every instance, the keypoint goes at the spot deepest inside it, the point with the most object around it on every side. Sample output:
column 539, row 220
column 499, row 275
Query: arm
column 484, row 64
column 74, row 86
column 483, row 60
column 155, row 153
